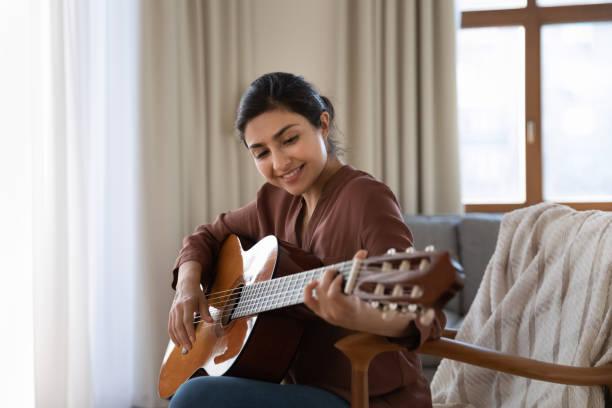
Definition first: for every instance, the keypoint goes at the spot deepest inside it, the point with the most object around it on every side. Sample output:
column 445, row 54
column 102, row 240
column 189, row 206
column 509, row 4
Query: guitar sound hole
column 230, row 306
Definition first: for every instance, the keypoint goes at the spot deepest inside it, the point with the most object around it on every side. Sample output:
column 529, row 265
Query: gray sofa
column 471, row 240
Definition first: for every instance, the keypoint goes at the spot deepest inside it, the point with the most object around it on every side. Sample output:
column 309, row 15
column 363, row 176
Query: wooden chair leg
column 361, row 348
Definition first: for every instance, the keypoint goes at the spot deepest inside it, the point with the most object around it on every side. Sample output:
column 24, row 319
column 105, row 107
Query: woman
column 314, row 201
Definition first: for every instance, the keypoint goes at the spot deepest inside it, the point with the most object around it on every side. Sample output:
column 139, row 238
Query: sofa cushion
column 441, row 232
column 477, row 237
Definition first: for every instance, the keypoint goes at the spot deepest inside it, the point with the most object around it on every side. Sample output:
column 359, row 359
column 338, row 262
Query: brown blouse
column 355, row 211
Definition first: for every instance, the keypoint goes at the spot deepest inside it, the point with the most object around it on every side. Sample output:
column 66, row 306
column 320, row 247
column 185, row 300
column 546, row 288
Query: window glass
column 491, row 97
column 577, row 112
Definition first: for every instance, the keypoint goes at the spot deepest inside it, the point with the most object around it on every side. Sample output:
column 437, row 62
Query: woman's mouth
column 293, row 175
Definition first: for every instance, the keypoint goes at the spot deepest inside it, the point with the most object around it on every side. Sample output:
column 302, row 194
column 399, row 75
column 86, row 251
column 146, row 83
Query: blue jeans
column 232, row 392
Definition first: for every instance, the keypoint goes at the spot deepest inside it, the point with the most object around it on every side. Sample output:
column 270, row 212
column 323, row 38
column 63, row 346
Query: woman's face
column 288, row 151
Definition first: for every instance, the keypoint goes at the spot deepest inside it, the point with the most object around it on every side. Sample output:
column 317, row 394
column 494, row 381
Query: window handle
column 530, row 132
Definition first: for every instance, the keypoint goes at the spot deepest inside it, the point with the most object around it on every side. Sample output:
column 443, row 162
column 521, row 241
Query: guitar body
column 260, row 346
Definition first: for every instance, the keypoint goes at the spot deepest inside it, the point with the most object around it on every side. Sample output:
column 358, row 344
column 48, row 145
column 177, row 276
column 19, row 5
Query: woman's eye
column 291, row 139
column 261, row 155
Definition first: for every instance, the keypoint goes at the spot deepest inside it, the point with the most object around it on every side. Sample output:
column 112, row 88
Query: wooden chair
column 361, row 348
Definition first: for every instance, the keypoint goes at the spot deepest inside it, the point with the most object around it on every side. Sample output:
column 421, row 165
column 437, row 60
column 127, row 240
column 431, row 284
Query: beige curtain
column 396, row 76
column 195, row 63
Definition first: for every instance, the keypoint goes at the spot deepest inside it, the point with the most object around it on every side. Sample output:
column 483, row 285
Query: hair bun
column 329, row 107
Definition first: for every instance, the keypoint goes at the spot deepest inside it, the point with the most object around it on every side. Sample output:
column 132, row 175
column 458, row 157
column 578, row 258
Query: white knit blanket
column 546, row 294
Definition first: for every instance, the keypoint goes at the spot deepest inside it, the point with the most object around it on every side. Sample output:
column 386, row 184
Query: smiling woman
column 295, row 157
column 314, row 202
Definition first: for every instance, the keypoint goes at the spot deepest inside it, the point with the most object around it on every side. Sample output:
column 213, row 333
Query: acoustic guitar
column 243, row 341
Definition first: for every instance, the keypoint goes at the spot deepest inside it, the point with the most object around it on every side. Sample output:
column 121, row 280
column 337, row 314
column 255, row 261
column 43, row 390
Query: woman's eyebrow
column 276, row 135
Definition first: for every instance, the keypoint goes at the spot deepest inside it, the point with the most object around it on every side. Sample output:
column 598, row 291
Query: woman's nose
column 280, row 161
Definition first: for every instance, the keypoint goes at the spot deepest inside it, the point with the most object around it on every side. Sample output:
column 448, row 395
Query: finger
column 188, row 324
column 204, row 312
column 361, row 254
column 336, row 286
column 179, row 326
column 309, row 300
column 171, row 330
column 327, row 278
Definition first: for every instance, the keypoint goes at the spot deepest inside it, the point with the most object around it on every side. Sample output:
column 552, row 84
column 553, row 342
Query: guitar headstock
column 414, row 283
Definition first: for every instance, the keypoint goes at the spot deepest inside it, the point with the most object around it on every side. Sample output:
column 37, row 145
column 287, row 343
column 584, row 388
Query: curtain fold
column 396, row 74
column 195, row 63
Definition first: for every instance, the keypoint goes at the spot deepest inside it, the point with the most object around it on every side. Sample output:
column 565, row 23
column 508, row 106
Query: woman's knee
column 196, row 392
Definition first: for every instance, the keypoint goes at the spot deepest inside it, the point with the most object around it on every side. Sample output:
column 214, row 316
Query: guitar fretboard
column 281, row 292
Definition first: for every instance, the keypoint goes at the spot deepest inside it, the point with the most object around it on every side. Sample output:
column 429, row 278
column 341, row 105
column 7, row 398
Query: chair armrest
column 449, row 333
column 361, row 348
column 521, row 366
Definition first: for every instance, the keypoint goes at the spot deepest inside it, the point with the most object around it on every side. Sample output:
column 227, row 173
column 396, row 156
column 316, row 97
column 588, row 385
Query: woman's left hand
column 333, row 306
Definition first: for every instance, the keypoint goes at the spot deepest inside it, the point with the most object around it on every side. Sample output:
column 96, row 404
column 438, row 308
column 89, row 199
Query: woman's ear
column 324, row 125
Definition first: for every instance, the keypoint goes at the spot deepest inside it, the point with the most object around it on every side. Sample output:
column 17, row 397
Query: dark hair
column 280, row 90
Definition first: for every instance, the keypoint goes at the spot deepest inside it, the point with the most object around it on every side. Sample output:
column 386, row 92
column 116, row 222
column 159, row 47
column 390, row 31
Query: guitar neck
column 281, row 292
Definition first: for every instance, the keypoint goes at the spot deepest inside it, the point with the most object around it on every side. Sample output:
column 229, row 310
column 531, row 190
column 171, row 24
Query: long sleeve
column 205, row 243
column 382, row 228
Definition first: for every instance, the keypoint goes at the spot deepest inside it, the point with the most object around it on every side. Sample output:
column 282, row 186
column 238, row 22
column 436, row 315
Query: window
column 535, row 103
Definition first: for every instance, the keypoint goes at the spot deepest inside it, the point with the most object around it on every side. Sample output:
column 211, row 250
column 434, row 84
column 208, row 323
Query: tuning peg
column 391, row 251
column 429, row 248
column 405, row 265
column 387, row 266
column 412, row 308
column 424, row 263
column 410, row 250
column 378, row 290
column 388, row 315
column 398, row 290
column 393, row 306
column 407, row 313
column 416, row 292
column 428, row 317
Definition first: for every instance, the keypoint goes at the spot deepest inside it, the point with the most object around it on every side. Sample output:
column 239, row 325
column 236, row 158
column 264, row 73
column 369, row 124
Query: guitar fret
column 271, row 294
column 288, row 288
column 281, row 292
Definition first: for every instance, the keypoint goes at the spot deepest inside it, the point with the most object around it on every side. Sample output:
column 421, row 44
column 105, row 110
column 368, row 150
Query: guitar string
column 217, row 295
column 274, row 285
column 324, row 268
column 273, row 291
column 275, row 295
column 293, row 295
column 341, row 265
column 214, row 299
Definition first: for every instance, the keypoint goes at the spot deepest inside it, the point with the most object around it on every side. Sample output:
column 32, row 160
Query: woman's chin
column 293, row 190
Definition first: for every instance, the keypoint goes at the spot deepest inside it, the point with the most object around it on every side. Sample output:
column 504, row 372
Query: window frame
column 532, row 18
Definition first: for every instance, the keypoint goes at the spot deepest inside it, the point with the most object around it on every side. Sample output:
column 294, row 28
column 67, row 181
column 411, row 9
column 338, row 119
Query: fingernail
column 184, row 351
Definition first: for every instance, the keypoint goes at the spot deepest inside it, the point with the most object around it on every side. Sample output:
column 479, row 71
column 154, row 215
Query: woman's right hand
column 188, row 300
